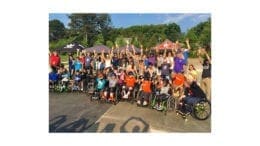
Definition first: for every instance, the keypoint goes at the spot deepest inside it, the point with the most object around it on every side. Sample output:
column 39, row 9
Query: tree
column 99, row 40
column 173, row 32
column 200, row 34
column 110, row 44
column 56, row 30
column 120, row 41
column 90, row 25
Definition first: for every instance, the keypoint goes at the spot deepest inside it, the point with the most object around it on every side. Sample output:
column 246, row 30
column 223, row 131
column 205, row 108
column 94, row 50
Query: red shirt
column 54, row 60
column 82, row 60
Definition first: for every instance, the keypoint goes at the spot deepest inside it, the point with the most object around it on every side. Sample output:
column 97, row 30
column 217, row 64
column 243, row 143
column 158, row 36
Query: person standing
column 206, row 76
column 54, row 61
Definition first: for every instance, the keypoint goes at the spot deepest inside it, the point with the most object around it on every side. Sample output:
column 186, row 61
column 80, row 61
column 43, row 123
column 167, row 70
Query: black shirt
column 206, row 73
column 194, row 91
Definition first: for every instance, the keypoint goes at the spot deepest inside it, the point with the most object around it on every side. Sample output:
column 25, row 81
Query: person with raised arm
column 206, row 75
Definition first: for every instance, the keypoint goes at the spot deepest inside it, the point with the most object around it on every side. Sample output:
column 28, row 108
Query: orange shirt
column 179, row 79
column 146, row 86
column 130, row 81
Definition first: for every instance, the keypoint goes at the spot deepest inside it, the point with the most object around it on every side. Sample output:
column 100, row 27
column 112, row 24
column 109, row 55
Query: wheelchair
column 53, row 86
column 91, row 86
column 123, row 90
column 76, row 86
column 107, row 93
column 197, row 107
column 141, row 95
column 167, row 102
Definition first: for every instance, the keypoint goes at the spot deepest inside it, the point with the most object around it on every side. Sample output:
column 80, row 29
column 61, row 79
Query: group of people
column 167, row 71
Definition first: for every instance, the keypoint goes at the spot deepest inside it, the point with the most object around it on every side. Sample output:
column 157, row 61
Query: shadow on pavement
column 81, row 125
column 75, row 126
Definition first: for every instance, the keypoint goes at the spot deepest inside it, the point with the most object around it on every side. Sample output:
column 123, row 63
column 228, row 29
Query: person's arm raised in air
column 102, row 55
column 207, row 55
column 188, row 44
column 95, row 54
column 164, row 53
column 133, row 50
column 141, row 50
column 112, row 52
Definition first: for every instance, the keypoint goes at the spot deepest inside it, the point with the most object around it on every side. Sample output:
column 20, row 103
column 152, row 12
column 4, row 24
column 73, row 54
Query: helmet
column 130, row 73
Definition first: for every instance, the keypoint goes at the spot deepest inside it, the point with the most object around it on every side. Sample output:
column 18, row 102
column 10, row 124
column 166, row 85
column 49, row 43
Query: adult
column 206, row 75
column 193, row 72
column 71, row 61
column 179, row 63
column 186, row 51
column 54, row 61
column 88, row 60
column 165, row 69
column 107, row 58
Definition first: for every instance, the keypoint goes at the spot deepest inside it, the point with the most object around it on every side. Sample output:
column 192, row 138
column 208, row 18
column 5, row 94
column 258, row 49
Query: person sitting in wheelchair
column 77, row 80
column 112, row 82
column 53, row 79
column 130, row 83
column 146, row 91
column 65, row 78
column 192, row 94
column 177, row 83
column 164, row 94
column 100, row 84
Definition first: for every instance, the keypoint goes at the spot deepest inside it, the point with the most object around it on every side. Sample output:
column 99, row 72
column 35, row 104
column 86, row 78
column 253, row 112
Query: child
column 146, row 87
column 78, row 65
column 112, row 86
column 53, row 78
column 177, row 82
column 65, row 78
column 100, row 84
column 164, row 94
column 130, row 83
column 77, row 80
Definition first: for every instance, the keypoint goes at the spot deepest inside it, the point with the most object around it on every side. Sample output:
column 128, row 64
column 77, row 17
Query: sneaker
column 144, row 103
column 156, row 106
column 125, row 96
column 139, row 102
column 160, row 108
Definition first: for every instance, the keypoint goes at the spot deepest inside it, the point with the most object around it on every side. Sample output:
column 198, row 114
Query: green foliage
column 99, row 40
column 110, row 44
column 95, row 29
column 60, row 43
column 56, row 30
column 200, row 35
column 90, row 25
column 120, row 41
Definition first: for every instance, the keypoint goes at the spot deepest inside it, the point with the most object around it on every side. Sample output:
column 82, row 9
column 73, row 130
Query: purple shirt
column 178, row 64
column 151, row 60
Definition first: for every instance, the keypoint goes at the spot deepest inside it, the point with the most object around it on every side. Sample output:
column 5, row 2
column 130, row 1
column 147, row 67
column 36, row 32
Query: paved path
column 73, row 112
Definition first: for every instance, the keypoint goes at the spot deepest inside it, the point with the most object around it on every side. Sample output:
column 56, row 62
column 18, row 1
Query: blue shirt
column 146, row 62
column 53, row 76
column 186, row 56
column 77, row 77
column 100, row 83
column 78, row 65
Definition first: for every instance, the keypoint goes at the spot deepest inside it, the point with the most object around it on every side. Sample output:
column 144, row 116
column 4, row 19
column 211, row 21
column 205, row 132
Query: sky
column 184, row 20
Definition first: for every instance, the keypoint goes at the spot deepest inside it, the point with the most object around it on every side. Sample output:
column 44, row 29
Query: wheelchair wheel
column 153, row 101
column 201, row 110
column 133, row 96
column 171, row 104
column 137, row 96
